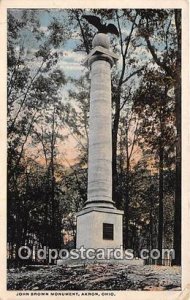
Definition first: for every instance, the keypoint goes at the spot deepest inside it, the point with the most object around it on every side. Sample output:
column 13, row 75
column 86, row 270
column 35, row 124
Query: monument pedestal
column 99, row 227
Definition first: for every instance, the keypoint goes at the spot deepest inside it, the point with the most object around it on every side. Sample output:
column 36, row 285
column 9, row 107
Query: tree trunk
column 126, row 203
column 177, row 216
column 161, row 195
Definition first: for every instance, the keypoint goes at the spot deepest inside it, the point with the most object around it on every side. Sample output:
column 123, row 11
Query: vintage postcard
column 95, row 136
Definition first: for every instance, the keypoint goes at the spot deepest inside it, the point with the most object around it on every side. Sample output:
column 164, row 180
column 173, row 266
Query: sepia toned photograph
column 94, row 151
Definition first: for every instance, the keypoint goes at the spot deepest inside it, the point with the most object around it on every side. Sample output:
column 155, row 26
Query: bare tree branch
column 24, row 99
column 132, row 74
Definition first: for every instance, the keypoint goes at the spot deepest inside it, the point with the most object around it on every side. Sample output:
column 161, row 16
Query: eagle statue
column 102, row 28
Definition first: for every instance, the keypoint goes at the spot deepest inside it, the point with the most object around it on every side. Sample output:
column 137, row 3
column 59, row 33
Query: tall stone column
column 99, row 224
column 100, row 130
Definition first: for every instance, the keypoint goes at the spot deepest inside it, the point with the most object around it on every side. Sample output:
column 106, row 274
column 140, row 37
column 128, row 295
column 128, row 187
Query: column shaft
column 100, row 136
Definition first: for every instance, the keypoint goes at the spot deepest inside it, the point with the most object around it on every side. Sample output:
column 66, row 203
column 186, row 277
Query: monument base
column 99, row 227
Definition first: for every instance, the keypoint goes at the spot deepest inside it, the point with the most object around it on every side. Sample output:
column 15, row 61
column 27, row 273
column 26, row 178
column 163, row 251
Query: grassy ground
column 94, row 277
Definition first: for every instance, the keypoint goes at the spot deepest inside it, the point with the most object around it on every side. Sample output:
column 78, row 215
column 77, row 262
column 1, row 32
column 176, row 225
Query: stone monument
column 99, row 223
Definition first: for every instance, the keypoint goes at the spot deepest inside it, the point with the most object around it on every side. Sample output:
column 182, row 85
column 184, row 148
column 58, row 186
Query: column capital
column 100, row 53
